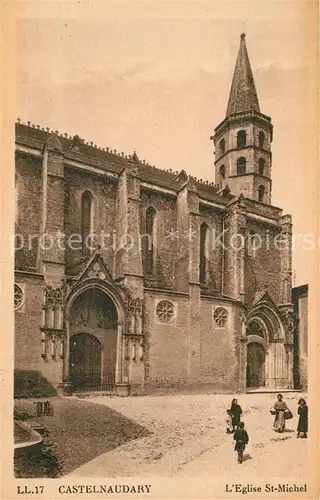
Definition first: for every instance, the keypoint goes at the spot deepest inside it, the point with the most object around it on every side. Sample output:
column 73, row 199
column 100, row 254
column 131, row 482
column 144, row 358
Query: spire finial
column 243, row 96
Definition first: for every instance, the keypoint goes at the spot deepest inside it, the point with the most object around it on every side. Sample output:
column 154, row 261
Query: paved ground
column 188, row 439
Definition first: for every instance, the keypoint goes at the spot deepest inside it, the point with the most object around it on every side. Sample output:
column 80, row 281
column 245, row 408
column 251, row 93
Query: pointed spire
column 243, row 96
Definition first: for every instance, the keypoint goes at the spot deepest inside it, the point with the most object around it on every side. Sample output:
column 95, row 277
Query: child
column 229, row 423
column 303, row 418
column 241, row 437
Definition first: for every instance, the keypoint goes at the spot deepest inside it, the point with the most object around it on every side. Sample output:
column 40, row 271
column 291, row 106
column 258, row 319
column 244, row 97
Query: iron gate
column 85, row 362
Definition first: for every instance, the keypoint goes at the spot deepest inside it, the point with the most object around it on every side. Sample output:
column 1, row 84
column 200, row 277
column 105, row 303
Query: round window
column 220, row 317
column 17, row 297
column 165, row 311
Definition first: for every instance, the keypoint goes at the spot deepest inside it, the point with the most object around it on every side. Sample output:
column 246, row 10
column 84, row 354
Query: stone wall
column 303, row 341
column 28, row 213
column 165, row 247
column 176, row 357
column 263, row 265
column 104, row 194
column 215, row 247
column 165, row 343
column 28, row 335
column 219, row 348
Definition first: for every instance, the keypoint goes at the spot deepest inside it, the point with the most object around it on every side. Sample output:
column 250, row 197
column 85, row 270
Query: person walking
column 303, row 418
column 242, row 439
column 235, row 412
column 279, row 409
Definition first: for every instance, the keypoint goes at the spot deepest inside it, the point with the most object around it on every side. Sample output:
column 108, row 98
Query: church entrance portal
column 255, row 365
column 85, row 361
column 93, row 341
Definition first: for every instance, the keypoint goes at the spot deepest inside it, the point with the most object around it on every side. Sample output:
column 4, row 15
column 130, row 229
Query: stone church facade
column 185, row 284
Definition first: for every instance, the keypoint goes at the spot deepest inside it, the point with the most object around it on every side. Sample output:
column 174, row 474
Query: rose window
column 165, row 311
column 220, row 317
column 17, row 297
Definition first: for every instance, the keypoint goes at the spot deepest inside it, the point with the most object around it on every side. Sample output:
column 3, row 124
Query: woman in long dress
column 280, row 408
column 236, row 412
column 303, row 418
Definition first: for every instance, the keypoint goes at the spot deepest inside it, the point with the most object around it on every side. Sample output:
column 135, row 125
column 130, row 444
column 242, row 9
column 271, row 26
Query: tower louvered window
column 222, row 146
column 262, row 164
column 261, row 139
column 241, row 139
column 241, row 165
column 222, row 171
column 261, row 193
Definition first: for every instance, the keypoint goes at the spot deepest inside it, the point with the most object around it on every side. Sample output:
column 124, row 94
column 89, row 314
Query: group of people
column 282, row 413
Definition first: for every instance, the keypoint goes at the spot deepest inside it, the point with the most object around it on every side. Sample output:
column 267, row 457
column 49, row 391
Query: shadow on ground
column 78, row 432
column 280, row 438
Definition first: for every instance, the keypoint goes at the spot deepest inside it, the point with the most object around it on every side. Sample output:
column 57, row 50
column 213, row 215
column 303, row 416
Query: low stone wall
column 32, row 445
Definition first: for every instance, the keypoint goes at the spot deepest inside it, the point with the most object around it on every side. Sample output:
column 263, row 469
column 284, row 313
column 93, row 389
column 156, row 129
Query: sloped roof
column 243, row 96
column 77, row 149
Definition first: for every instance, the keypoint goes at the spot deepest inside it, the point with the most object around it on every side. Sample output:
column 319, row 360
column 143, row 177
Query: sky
column 156, row 79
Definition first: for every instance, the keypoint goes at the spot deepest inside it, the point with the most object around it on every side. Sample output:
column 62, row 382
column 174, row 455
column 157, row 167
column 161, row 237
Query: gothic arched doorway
column 93, row 341
column 85, row 361
column 255, row 365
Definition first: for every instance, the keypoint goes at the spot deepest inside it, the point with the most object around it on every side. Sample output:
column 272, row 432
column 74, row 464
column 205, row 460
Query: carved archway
column 105, row 287
column 95, row 308
column 269, row 318
column 266, row 358
column 257, row 352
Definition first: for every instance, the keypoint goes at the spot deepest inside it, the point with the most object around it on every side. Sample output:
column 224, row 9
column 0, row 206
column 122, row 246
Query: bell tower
column 243, row 139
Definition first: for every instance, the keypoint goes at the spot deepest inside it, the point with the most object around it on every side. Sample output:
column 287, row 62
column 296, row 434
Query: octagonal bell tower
column 243, row 139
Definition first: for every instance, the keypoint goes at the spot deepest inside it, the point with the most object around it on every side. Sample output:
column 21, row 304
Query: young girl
column 229, row 423
column 303, row 418
column 242, row 439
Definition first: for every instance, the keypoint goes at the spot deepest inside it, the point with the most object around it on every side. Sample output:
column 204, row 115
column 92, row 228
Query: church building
column 130, row 279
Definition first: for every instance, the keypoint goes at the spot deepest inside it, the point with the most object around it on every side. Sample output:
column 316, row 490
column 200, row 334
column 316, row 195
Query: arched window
column 203, row 253
column 261, row 139
column 16, row 195
column 222, row 171
column 241, row 139
column 261, row 192
column 254, row 243
column 222, row 146
column 86, row 221
column 241, row 165
column 150, row 241
column 262, row 164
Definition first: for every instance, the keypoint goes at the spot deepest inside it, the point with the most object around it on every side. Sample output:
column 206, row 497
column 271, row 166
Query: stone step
column 272, row 391
column 36, row 426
